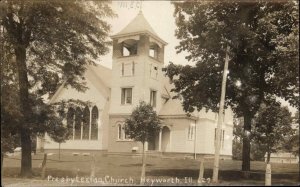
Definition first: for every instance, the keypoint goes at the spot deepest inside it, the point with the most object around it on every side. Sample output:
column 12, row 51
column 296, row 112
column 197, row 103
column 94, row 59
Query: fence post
column 201, row 172
column 44, row 165
column 93, row 166
column 268, row 180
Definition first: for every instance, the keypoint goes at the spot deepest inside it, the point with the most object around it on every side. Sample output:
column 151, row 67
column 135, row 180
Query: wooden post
column 44, row 165
column 201, row 172
column 220, row 119
column 58, row 151
column 268, row 180
column 93, row 166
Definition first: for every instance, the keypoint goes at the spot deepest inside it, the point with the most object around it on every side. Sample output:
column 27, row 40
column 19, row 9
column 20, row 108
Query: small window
column 153, row 50
column 153, row 98
column 153, row 71
column 126, row 97
column 127, row 69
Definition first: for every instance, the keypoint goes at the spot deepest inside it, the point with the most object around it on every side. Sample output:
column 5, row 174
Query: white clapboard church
column 136, row 74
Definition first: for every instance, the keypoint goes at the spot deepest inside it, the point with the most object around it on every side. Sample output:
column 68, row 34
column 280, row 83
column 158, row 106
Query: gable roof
column 103, row 73
column 173, row 107
column 139, row 25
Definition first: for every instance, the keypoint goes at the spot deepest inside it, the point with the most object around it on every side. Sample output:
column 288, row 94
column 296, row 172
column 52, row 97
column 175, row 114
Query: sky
column 159, row 14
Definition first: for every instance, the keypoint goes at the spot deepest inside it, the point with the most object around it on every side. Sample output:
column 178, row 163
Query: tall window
column 191, row 132
column 94, row 125
column 120, row 131
column 153, row 98
column 126, row 97
column 86, row 123
column 78, row 116
column 70, row 120
column 222, row 136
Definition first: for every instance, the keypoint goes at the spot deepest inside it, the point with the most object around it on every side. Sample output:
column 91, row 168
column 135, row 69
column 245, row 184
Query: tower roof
column 139, row 25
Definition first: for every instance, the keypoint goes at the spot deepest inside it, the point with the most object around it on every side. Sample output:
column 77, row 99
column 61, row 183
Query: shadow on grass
column 227, row 175
column 135, row 165
column 15, row 171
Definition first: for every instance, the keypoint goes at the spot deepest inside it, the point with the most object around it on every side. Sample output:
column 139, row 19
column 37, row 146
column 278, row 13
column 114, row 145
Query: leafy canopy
column 264, row 60
column 273, row 124
column 60, row 37
column 143, row 124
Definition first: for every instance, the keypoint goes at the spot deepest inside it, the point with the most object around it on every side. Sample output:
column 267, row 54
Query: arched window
column 120, row 132
column 122, row 135
column 78, row 119
column 86, row 123
column 70, row 120
column 94, row 125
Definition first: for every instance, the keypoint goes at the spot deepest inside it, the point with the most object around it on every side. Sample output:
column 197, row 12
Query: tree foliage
column 143, row 124
column 45, row 44
column 273, row 124
column 264, row 60
column 257, row 151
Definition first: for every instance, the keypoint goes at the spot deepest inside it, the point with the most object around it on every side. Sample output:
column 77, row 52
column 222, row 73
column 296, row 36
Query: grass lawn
column 122, row 169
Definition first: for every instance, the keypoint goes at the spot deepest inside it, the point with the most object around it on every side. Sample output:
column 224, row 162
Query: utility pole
column 220, row 120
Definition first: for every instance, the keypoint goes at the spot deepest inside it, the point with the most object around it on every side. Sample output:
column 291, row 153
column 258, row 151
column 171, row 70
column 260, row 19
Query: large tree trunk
column 246, row 143
column 26, row 166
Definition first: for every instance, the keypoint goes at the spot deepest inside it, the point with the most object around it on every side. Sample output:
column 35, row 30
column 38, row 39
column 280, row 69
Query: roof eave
column 137, row 33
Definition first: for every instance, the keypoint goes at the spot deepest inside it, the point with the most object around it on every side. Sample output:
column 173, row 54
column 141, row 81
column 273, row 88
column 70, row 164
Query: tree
column 263, row 40
column 142, row 126
column 291, row 143
column 237, row 139
column 257, row 150
column 60, row 132
column 51, row 43
column 272, row 124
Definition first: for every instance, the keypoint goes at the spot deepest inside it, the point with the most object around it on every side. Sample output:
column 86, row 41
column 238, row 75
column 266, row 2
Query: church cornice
column 117, row 36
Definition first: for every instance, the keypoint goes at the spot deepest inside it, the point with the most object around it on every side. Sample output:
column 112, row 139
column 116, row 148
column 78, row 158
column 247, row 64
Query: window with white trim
column 191, row 132
column 127, row 69
column 153, row 97
column 153, row 71
column 122, row 135
column 83, row 122
column 126, row 96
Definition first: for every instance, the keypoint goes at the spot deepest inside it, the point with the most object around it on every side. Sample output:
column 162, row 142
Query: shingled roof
column 139, row 25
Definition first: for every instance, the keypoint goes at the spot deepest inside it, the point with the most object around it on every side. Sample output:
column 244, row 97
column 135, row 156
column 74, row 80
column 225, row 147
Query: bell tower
column 138, row 59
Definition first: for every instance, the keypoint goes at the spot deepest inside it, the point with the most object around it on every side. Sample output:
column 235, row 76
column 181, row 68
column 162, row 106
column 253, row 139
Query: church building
column 136, row 75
